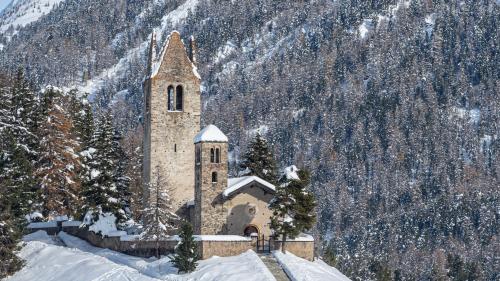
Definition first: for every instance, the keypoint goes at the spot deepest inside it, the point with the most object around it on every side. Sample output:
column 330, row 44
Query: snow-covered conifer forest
column 393, row 106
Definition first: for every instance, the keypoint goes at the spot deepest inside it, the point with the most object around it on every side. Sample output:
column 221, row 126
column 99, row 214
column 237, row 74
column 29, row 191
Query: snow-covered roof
column 291, row 173
column 210, row 134
column 235, row 184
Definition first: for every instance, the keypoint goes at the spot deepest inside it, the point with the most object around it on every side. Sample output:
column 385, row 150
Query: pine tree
column 293, row 207
column 122, row 181
column 186, row 253
column 100, row 192
column 9, row 237
column 158, row 217
column 58, row 161
column 24, row 106
column 16, row 175
column 330, row 257
column 83, row 128
column 259, row 161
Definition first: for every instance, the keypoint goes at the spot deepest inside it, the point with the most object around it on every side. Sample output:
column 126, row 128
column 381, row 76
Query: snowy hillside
column 23, row 12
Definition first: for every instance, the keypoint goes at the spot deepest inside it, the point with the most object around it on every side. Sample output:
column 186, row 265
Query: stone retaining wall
column 302, row 249
column 135, row 248
column 209, row 249
column 208, row 246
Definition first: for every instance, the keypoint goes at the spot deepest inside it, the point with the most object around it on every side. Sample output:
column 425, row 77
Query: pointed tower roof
column 210, row 134
column 174, row 47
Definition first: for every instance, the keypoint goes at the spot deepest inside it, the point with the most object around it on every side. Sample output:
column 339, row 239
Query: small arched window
column 178, row 98
column 217, row 155
column 170, row 98
column 214, row 176
column 212, row 155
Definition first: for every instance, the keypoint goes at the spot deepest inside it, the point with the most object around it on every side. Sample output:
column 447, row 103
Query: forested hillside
column 393, row 105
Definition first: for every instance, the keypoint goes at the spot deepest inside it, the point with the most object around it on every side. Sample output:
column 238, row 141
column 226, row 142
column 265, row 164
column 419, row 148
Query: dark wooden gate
column 263, row 244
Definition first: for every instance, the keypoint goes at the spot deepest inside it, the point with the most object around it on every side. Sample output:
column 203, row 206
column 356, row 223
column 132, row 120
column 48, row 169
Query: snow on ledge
column 233, row 238
column 301, row 238
column 234, row 184
column 221, row 238
column 71, row 223
column 47, row 224
column 211, row 134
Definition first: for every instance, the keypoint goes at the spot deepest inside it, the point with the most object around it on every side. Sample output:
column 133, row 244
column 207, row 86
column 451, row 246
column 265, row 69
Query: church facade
column 189, row 164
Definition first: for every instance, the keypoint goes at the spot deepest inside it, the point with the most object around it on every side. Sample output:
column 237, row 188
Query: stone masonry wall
column 302, row 249
column 206, row 248
column 209, row 249
column 169, row 141
column 210, row 212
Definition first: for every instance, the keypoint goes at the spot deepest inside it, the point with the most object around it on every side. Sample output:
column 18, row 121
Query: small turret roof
column 210, row 134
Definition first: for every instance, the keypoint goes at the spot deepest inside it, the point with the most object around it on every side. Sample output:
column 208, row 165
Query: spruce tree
column 9, row 237
column 186, row 253
column 16, row 175
column 100, row 192
column 329, row 256
column 293, row 207
column 24, row 107
column 259, row 161
column 83, row 128
column 122, row 181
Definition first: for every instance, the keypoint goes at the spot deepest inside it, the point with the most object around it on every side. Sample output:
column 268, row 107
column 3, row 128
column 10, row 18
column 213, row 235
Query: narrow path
column 273, row 266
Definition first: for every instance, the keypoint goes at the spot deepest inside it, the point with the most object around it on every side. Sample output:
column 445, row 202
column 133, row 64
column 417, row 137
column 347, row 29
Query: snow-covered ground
column 299, row 269
column 47, row 259
column 22, row 12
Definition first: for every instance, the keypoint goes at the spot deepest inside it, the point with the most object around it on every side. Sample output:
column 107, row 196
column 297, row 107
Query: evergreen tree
column 122, row 181
column 16, row 175
column 259, row 161
column 24, row 107
column 329, row 256
column 186, row 253
column 9, row 237
column 83, row 128
column 158, row 217
column 18, row 146
column 293, row 207
column 100, row 192
column 58, row 161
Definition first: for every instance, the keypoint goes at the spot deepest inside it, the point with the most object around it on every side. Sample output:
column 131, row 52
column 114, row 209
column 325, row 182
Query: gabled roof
column 235, row 184
column 210, row 134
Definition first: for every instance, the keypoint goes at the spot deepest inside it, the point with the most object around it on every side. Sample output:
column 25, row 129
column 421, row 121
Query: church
column 192, row 161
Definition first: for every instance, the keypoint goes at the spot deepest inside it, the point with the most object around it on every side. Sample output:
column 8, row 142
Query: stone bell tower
column 210, row 181
column 171, row 120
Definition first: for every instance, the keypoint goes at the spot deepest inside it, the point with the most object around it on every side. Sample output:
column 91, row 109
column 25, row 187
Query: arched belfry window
column 178, row 98
column 217, row 155
column 212, row 155
column 214, row 176
column 170, row 98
